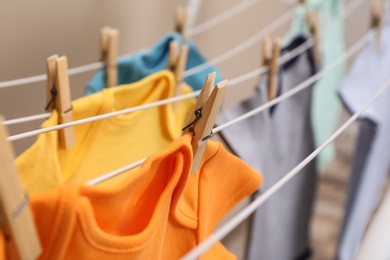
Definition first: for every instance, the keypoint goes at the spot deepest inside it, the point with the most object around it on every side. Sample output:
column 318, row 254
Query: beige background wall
column 34, row 30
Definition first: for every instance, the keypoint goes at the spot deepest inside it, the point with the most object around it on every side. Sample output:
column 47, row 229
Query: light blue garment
column 143, row 63
column 325, row 105
column 372, row 156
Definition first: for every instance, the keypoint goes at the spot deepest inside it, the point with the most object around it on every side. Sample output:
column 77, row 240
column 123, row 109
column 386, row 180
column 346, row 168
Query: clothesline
column 351, row 51
column 222, row 17
column 352, row 7
column 98, row 65
column 285, row 58
column 221, row 232
column 236, row 81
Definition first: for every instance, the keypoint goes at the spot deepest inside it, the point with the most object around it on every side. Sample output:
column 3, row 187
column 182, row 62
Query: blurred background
column 34, row 30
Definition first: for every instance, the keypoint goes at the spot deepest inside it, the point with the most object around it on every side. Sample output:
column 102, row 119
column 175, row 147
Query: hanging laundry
column 371, row 159
column 274, row 143
column 237, row 239
column 106, row 145
column 375, row 242
column 325, row 105
column 144, row 63
column 2, row 246
column 159, row 212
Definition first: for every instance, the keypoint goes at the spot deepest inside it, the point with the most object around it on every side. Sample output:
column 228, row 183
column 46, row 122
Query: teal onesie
column 325, row 105
column 143, row 63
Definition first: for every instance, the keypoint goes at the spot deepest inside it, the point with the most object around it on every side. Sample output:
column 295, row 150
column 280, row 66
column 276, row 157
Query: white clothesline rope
column 26, row 119
column 244, row 45
column 345, row 13
column 346, row 55
column 98, row 65
column 235, row 81
column 221, row 232
column 222, row 17
column 257, row 37
column 351, row 51
column 284, row 58
column 193, row 7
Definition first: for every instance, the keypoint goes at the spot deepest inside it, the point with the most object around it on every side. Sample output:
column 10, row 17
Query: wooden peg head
column 376, row 13
column 51, row 90
column 274, row 69
column 377, row 21
column 179, row 70
column 109, row 41
column 266, row 51
column 314, row 27
column 181, row 21
column 173, row 55
column 104, row 42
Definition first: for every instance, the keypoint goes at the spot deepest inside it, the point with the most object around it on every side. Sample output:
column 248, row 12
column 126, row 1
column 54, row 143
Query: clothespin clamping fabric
column 16, row 219
column 377, row 21
column 270, row 58
column 109, row 40
column 203, row 117
column 177, row 60
column 58, row 96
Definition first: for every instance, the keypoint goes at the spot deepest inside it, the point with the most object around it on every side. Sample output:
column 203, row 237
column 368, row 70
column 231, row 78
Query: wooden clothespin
column 266, row 51
column 181, row 22
column 270, row 58
column 16, row 219
column 202, row 119
column 109, row 40
column 178, row 56
column 173, row 55
column 314, row 27
column 377, row 21
column 58, row 96
column 274, row 70
column 313, row 23
column 177, row 62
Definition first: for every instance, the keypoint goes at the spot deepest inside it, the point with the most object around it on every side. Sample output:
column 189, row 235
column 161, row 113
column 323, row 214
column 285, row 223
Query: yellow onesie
column 106, row 145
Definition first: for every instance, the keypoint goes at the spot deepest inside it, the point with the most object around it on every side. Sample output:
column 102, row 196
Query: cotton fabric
column 143, row 63
column 274, row 143
column 159, row 212
column 371, row 159
column 109, row 144
column 325, row 106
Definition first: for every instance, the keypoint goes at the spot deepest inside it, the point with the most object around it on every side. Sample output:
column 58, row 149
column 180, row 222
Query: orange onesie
column 160, row 211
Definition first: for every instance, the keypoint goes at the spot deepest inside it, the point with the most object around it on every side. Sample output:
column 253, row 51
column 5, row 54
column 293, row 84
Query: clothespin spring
column 198, row 115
